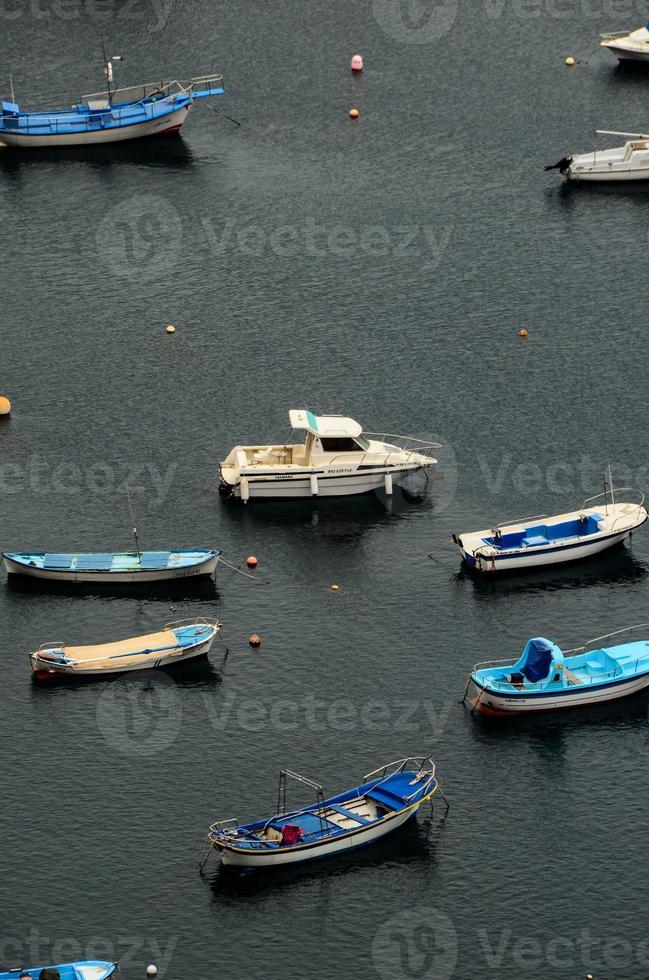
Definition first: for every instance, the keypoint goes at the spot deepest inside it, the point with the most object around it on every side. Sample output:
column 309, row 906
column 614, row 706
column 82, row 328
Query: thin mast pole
column 11, row 83
column 135, row 534
column 610, row 483
column 605, row 497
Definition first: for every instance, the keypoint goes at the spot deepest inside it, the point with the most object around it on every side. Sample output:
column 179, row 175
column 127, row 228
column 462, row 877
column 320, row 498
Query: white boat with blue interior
column 601, row 522
column 385, row 800
column 546, row 678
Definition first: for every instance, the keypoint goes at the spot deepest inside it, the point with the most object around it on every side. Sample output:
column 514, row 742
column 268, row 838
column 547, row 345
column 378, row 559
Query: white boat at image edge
column 543, row 540
column 633, row 46
column 620, row 163
column 384, row 801
column 336, row 459
column 178, row 641
column 545, row 678
column 117, row 567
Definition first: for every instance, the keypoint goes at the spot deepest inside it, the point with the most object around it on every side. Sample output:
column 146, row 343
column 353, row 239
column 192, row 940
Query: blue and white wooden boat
column 153, row 109
column 546, row 678
column 176, row 642
column 543, row 540
column 117, row 567
column 83, row 970
column 385, row 800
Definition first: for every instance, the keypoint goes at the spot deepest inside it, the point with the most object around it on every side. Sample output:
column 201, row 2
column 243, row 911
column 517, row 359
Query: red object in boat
column 291, row 834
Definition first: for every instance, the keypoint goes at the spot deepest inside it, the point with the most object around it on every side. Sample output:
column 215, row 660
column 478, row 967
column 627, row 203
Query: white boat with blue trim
column 336, row 459
column 113, row 567
column 177, row 642
column 384, row 801
column 81, row 970
column 546, row 678
column 153, row 109
column 543, row 540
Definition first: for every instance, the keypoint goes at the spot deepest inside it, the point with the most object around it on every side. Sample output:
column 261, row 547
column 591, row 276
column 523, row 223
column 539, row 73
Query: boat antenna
column 605, row 497
column 11, row 85
column 610, row 483
column 134, row 528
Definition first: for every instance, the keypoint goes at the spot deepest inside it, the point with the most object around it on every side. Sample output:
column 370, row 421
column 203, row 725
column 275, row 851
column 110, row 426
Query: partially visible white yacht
column 336, row 459
column 620, row 163
column 628, row 47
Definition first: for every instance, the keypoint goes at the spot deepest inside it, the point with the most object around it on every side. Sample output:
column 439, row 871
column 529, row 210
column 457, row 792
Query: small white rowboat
column 176, row 642
column 550, row 540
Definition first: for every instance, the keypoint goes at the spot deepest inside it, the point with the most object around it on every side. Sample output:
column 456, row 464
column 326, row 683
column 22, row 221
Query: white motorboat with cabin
column 628, row 47
column 619, row 163
column 336, row 459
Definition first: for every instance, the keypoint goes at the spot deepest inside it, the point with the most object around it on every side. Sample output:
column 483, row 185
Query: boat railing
column 607, row 636
column 521, row 520
column 193, row 621
column 391, row 768
column 137, row 93
column 51, row 645
column 608, row 496
column 614, row 34
column 411, row 445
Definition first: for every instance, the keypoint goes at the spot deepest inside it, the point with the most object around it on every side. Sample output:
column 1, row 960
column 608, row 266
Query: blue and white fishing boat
column 113, row 567
column 175, row 642
column 83, row 970
column 385, row 800
column 546, row 678
column 154, row 109
column 543, row 540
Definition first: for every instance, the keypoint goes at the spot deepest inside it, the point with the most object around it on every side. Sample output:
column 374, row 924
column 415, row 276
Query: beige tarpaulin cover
column 136, row 645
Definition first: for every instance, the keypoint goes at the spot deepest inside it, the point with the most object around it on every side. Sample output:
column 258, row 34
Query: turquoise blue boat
column 83, row 970
column 113, row 567
column 547, row 678
column 154, row 109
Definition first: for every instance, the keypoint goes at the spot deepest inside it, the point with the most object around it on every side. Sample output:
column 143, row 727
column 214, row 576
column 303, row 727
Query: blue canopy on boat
column 538, row 657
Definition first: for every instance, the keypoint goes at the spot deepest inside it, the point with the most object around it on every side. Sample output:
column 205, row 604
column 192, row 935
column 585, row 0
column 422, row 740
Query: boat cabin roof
column 324, row 425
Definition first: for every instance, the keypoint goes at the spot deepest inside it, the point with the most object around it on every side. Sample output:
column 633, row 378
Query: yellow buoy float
column 170, row 328
column 522, row 332
column 354, row 113
column 5, row 405
column 254, row 640
column 570, row 61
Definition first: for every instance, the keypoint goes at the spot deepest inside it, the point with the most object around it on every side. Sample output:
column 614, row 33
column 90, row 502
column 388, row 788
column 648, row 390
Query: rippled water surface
column 381, row 269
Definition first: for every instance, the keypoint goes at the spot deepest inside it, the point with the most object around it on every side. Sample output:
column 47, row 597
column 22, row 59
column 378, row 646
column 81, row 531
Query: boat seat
column 385, row 798
column 94, row 563
column 534, row 540
column 57, row 561
column 348, row 813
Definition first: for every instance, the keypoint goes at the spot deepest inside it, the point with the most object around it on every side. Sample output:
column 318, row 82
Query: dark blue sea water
column 381, row 269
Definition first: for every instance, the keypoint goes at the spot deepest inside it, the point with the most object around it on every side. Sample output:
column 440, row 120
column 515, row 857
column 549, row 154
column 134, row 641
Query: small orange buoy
column 354, row 113
column 170, row 328
column 251, row 561
column 357, row 62
column 5, row 405
column 522, row 332
column 254, row 640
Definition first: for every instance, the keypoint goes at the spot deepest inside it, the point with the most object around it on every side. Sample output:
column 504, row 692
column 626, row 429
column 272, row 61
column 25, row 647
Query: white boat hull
column 535, row 558
column 299, row 485
column 271, row 859
column 153, row 127
column 490, row 702
column 206, row 567
column 151, row 663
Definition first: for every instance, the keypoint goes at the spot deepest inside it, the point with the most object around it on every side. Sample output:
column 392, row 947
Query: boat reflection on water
column 618, row 565
column 413, row 845
column 195, row 589
column 161, row 152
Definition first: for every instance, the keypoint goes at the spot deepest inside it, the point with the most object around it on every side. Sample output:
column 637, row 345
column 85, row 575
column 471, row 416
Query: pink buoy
column 357, row 62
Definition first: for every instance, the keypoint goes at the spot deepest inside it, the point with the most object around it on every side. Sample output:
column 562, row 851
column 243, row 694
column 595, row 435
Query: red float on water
column 357, row 62
column 251, row 562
